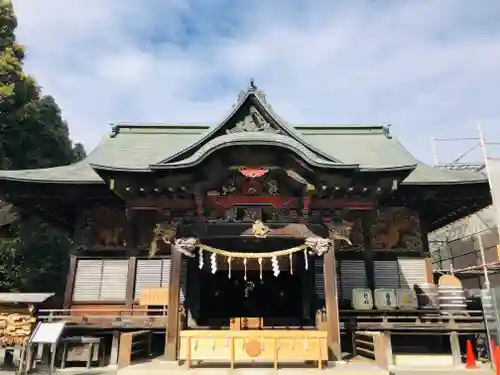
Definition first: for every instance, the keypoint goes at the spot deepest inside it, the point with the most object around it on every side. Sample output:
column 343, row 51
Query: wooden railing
column 418, row 320
column 133, row 346
column 364, row 345
column 108, row 318
column 373, row 345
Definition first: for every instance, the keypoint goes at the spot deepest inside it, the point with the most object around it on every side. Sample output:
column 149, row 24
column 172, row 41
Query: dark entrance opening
column 279, row 300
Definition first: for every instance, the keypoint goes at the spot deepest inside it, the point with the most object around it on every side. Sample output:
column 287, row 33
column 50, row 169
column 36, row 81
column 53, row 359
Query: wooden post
column 455, row 349
column 332, row 308
column 115, row 344
column 129, row 294
column 70, row 280
column 172, row 333
column 429, row 271
column 366, row 222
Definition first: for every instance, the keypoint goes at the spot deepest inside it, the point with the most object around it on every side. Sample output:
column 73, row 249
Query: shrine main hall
column 250, row 233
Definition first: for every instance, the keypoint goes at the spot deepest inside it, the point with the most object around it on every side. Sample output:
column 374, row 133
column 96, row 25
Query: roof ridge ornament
column 252, row 87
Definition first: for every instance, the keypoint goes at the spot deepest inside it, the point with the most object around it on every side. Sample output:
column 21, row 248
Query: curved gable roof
column 256, row 97
column 254, row 138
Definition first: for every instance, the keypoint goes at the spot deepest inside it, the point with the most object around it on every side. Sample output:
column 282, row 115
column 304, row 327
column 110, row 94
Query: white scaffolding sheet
column 493, row 168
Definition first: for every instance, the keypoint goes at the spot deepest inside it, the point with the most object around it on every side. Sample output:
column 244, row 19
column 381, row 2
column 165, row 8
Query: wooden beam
column 161, row 203
column 70, row 281
column 228, row 201
column 332, row 308
column 352, row 204
column 172, row 333
column 234, row 230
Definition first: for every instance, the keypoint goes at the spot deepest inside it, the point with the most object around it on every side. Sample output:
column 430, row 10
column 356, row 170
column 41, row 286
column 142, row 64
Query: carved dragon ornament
column 164, row 232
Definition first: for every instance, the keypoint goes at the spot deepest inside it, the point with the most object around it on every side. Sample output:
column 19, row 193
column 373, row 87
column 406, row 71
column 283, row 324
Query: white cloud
column 428, row 68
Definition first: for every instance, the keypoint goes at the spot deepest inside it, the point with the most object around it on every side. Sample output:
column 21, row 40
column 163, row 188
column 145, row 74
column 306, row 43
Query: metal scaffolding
column 490, row 166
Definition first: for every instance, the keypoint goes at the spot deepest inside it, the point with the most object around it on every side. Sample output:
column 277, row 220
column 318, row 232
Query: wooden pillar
column 429, row 271
column 113, row 359
column 130, row 290
column 455, row 349
column 70, row 281
column 172, row 333
column 131, row 243
column 332, row 308
column 367, row 221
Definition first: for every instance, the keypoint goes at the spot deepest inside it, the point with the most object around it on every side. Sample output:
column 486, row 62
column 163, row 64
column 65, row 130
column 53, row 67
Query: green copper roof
column 255, row 138
column 426, row 175
column 140, row 148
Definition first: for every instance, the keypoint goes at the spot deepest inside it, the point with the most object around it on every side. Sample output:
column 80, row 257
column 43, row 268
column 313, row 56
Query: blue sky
column 429, row 68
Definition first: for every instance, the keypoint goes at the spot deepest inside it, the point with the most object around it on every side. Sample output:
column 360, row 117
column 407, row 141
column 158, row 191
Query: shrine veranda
column 251, row 224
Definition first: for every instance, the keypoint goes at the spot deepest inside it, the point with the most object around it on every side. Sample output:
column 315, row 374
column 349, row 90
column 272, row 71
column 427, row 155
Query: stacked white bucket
column 451, row 297
column 451, row 294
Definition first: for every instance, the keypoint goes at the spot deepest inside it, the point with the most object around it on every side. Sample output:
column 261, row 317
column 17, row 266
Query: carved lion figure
column 259, row 229
column 110, row 237
column 318, row 245
column 186, row 246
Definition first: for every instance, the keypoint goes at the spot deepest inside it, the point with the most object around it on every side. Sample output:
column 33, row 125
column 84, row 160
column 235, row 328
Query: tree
column 33, row 134
column 78, row 152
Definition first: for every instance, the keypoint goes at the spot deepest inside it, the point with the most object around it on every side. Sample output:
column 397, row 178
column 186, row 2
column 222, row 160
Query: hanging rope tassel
column 276, row 266
column 200, row 258
column 245, row 264
column 213, row 262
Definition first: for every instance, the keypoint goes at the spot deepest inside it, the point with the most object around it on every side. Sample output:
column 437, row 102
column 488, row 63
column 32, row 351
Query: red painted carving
column 253, row 172
column 306, row 201
column 199, row 205
column 251, row 187
column 228, row 201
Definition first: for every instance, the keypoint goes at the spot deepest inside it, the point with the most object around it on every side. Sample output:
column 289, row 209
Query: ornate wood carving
column 259, row 181
column 146, row 221
column 253, row 122
column 102, row 227
column 163, row 232
column 345, row 227
column 259, row 229
column 397, row 229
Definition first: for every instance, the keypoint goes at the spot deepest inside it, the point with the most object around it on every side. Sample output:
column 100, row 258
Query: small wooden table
column 89, row 342
column 238, row 324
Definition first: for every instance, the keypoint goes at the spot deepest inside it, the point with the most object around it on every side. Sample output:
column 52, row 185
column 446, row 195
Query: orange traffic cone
column 497, row 360
column 470, row 361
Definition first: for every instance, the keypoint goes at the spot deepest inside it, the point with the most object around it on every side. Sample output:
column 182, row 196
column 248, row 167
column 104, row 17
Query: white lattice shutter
column 386, row 274
column 87, row 280
column 352, row 275
column 412, row 271
column 114, row 280
column 148, row 275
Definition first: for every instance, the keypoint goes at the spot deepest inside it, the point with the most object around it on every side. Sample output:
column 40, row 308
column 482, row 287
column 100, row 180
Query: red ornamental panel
column 253, row 172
